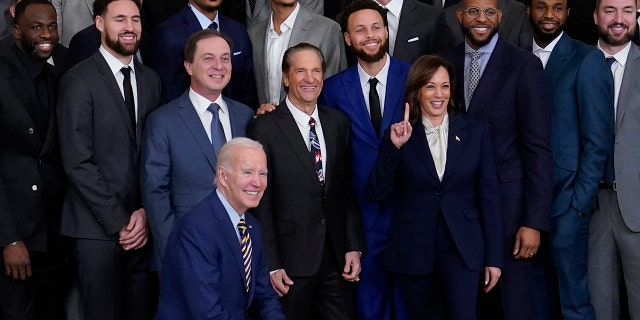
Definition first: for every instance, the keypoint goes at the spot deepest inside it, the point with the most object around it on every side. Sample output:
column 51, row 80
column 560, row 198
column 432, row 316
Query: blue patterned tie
column 217, row 133
column 245, row 248
column 316, row 154
column 213, row 26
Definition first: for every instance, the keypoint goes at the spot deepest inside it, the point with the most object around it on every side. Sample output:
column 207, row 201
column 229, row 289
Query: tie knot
column 214, row 108
column 373, row 82
column 610, row 60
column 312, row 122
column 213, row 26
column 242, row 225
column 475, row 55
column 126, row 71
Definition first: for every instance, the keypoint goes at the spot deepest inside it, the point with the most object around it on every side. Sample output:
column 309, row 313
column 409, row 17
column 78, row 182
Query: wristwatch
column 11, row 244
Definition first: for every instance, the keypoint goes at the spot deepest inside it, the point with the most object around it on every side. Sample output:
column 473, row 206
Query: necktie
column 314, row 150
column 610, row 61
column 128, row 96
column 437, row 148
column 217, row 133
column 374, row 105
column 213, row 26
column 252, row 5
column 474, row 73
column 245, row 248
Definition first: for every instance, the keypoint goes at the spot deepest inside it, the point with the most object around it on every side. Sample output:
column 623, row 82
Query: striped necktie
column 314, row 150
column 245, row 248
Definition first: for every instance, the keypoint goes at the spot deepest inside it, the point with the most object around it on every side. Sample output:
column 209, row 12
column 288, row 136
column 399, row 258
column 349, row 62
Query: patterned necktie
column 128, row 96
column 314, row 150
column 374, row 105
column 213, row 26
column 474, row 73
column 245, row 248
column 217, row 133
column 252, row 5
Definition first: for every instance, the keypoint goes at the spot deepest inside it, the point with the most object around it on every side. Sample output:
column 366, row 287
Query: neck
column 307, row 108
column 239, row 209
column 373, row 68
column 280, row 14
column 611, row 49
column 542, row 43
column 124, row 59
column 383, row 2
column 209, row 95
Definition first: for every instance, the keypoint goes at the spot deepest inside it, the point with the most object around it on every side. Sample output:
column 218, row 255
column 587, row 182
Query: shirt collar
column 394, row 6
column 288, row 23
column 302, row 118
column 202, row 19
column 487, row 48
column 621, row 56
column 549, row 47
column 201, row 103
column 114, row 64
column 381, row 76
column 233, row 214
column 431, row 129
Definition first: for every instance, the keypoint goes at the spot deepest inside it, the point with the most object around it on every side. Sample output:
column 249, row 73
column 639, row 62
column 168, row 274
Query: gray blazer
column 261, row 12
column 312, row 28
column 73, row 16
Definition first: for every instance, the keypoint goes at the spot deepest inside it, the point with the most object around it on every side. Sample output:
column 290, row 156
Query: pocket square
column 237, row 53
column 413, row 39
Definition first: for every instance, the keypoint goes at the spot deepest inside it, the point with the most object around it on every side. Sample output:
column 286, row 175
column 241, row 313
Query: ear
column 347, row 39
column 99, row 23
column 460, row 14
column 187, row 66
column 16, row 32
column 285, row 78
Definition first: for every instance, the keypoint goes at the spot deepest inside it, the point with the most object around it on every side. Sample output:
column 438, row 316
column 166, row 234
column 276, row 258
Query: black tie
column 213, row 26
column 374, row 105
column 128, row 96
column 252, row 5
column 610, row 61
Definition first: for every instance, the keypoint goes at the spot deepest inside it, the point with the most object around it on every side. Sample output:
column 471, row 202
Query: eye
column 473, row 11
column 226, row 59
column 430, row 86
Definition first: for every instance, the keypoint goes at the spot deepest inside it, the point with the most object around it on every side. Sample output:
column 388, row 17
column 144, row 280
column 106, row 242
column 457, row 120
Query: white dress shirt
column 302, row 120
column 617, row 69
column 203, row 20
column 277, row 44
column 438, row 136
column 201, row 104
column 115, row 65
column 545, row 53
column 381, row 86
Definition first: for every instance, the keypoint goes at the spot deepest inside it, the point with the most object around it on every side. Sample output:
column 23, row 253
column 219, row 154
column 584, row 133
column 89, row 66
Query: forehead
column 617, row 3
column 249, row 157
column 481, row 3
column 365, row 16
column 212, row 45
column 306, row 59
column 549, row 2
column 38, row 12
column 122, row 7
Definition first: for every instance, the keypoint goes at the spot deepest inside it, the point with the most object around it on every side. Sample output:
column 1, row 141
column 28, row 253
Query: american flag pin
column 457, row 139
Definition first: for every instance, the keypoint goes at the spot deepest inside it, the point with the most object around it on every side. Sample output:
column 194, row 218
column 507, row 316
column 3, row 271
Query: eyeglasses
column 474, row 12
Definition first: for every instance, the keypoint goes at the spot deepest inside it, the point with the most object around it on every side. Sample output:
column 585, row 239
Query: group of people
column 494, row 180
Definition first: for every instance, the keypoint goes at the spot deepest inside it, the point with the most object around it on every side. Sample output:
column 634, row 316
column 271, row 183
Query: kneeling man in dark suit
column 214, row 265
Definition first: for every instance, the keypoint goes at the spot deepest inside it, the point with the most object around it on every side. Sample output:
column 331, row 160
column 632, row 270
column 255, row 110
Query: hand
column 16, row 261
column 491, row 276
column 527, row 243
column 135, row 234
column 351, row 270
column 266, row 107
column 280, row 282
column 401, row 131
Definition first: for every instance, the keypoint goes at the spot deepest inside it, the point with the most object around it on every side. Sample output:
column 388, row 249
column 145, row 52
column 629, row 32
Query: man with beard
column 614, row 232
column 581, row 136
column 165, row 51
column 31, row 174
column 505, row 85
column 103, row 103
column 370, row 93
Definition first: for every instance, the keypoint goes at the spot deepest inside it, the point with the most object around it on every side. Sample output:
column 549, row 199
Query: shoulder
column 318, row 20
column 337, row 78
column 334, row 114
column 239, row 108
column 420, row 9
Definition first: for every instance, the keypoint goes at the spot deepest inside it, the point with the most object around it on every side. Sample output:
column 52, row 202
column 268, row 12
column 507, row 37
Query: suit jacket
column 582, row 122
column 626, row 150
column 203, row 276
column 438, row 3
column 513, row 97
column 416, row 31
column 261, row 12
column 31, row 174
column 100, row 149
column 514, row 26
column 166, row 56
column 308, row 27
column 296, row 212
column 341, row 92
column 179, row 164
column 154, row 12
column 5, row 18
column 465, row 198
column 73, row 16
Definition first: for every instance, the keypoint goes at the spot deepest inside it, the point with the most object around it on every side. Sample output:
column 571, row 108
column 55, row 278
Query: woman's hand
column 491, row 276
column 401, row 132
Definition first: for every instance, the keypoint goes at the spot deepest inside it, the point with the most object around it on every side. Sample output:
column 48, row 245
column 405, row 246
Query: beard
column 478, row 42
column 119, row 47
column 29, row 47
column 370, row 58
column 611, row 40
column 546, row 37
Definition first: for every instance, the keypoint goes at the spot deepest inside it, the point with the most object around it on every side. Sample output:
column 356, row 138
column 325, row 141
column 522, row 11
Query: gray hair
column 225, row 156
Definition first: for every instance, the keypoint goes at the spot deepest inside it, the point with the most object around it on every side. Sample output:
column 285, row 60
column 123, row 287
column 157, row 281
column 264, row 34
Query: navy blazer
column 166, row 56
column 178, row 164
column 513, row 97
column 342, row 92
column 466, row 198
column 202, row 276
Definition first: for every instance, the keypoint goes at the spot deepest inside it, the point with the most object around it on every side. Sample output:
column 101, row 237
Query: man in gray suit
column 260, row 11
column 73, row 16
column 290, row 24
column 614, row 233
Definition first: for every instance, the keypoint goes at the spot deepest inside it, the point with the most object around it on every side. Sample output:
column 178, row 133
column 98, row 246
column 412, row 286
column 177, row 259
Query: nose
column 548, row 12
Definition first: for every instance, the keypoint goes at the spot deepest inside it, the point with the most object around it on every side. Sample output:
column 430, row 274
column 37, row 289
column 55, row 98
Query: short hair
column 100, row 6
column 303, row 46
column 358, row 5
column 192, row 43
column 569, row 3
column 227, row 152
column 420, row 73
column 21, row 7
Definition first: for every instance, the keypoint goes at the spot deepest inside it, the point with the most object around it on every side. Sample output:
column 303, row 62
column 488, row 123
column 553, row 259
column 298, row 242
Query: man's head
column 36, row 28
column 284, row 3
column 547, row 18
column 119, row 25
column 616, row 21
column 241, row 173
column 364, row 24
column 479, row 20
column 207, row 57
column 302, row 72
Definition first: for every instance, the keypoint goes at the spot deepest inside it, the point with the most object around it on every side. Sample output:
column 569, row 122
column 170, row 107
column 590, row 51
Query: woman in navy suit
column 446, row 231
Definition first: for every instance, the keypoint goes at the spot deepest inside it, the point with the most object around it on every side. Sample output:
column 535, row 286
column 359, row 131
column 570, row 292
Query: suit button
column 322, row 221
column 34, row 187
column 30, row 131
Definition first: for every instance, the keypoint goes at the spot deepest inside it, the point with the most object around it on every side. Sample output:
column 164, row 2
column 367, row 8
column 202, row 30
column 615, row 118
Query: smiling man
column 182, row 139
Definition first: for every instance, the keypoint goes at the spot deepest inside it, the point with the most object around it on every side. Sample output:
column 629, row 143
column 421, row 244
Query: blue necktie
column 217, row 133
column 213, row 26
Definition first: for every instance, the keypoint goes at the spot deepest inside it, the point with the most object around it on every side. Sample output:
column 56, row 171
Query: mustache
column 618, row 24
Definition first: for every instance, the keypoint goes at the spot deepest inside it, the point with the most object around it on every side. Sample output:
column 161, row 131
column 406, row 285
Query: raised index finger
column 406, row 112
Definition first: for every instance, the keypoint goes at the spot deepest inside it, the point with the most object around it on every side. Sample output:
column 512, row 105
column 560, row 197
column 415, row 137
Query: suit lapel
column 629, row 80
column 301, row 27
column 258, row 35
column 558, row 60
column 420, row 146
column 237, row 130
column 357, row 103
column 329, row 131
column 393, row 96
column 492, row 78
column 406, row 24
column 455, row 143
column 192, row 121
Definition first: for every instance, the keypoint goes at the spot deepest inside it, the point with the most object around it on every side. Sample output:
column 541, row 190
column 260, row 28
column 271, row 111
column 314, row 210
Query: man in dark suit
column 178, row 158
column 204, row 275
column 581, row 136
column 31, row 176
column 102, row 106
column 312, row 230
column 505, row 85
column 349, row 91
column 166, row 50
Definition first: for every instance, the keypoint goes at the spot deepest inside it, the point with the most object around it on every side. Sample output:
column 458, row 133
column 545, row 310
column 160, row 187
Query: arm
column 354, row 233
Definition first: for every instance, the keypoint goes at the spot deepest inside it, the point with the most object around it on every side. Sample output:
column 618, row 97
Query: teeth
column 44, row 45
column 251, row 193
column 481, row 29
column 437, row 103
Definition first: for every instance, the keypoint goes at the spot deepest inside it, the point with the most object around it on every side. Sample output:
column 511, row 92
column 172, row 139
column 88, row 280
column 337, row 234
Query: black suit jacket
column 296, row 212
column 31, row 175
column 100, row 149
column 415, row 31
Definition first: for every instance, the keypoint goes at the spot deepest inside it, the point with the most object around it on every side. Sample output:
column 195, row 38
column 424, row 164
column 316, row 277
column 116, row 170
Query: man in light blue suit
column 581, row 137
column 178, row 148
column 365, row 31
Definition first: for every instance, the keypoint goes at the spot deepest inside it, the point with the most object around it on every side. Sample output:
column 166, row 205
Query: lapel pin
column 457, row 139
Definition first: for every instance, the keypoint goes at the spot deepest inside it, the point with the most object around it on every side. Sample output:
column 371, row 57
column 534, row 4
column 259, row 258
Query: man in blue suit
column 215, row 266
column 166, row 50
column 505, row 85
column 178, row 148
column 581, row 139
column 365, row 31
